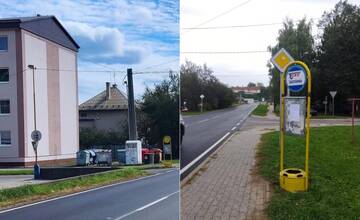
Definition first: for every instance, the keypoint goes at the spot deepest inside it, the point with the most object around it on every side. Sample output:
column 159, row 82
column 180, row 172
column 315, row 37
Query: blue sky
column 113, row 35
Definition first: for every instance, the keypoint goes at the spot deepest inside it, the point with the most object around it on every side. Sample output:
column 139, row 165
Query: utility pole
column 131, row 107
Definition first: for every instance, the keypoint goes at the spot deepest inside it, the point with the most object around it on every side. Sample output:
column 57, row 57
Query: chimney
column 108, row 93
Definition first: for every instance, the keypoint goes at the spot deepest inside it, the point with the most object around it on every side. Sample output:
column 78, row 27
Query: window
column 83, row 115
column 4, row 75
column 4, row 107
column 5, row 138
column 3, row 43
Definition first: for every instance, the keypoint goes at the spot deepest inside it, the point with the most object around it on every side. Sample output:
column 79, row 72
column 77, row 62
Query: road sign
column 36, row 135
column 333, row 93
column 296, row 78
column 281, row 59
column 167, row 144
column 167, row 140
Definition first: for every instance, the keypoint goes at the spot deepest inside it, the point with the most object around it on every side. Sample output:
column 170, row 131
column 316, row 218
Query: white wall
column 35, row 54
column 68, row 102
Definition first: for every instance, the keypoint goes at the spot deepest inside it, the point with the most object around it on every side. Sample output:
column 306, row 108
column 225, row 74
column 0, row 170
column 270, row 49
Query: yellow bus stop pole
column 307, row 130
column 282, row 115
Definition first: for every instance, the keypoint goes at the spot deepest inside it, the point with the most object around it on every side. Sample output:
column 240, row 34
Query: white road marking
column 203, row 154
column 78, row 193
column 203, row 121
column 214, row 145
column 233, row 128
column 146, row 206
column 238, row 124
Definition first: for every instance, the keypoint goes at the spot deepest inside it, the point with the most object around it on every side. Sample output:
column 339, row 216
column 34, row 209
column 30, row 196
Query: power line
column 233, row 26
column 221, row 14
column 159, row 64
column 225, row 52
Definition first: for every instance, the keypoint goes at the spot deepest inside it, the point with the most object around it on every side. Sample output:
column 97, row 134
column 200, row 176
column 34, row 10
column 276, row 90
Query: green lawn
column 322, row 116
column 334, row 189
column 16, row 172
column 261, row 110
column 23, row 194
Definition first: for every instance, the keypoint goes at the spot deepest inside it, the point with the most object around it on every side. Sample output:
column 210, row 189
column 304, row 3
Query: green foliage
column 333, row 61
column 334, row 174
column 29, row 192
column 299, row 42
column 339, row 55
column 161, row 110
column 197, row 80
column 261, row 110
column 16, row 172
column 92, row 137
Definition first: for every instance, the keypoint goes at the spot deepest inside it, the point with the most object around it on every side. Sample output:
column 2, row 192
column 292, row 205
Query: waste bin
column 83, row 158
column 157, row 154
column 121, row 156
column 103, row 157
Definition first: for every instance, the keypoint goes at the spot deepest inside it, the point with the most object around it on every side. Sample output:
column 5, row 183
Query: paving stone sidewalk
column 227, row 185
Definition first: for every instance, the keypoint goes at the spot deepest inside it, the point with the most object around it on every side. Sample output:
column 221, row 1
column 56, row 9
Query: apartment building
column 41, row 42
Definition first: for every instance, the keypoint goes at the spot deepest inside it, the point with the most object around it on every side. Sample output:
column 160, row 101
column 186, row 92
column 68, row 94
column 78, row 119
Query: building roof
column 255, row 88
column 47, row 27
column 117, row 101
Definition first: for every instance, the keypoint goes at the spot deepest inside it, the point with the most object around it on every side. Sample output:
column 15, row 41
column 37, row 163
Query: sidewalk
column 10, row 181
column 227, row 186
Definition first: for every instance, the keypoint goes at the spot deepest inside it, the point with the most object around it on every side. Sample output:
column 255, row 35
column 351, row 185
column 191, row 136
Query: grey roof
column 47, row 27
column 117, row 101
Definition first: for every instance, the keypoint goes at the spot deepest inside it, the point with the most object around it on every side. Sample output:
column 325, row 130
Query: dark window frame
column 5, row 141
column 1, row 108
column 7, row 43
column 8, row 75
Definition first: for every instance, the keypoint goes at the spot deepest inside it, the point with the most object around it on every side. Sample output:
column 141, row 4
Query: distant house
column 107, row 111
column 43, row 43
column 247, row 90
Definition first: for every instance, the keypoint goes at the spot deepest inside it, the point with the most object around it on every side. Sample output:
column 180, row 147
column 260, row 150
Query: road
column 154, row 197
column 203, row 132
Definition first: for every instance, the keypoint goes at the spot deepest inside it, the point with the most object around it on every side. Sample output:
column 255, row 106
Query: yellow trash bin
column 293, row 180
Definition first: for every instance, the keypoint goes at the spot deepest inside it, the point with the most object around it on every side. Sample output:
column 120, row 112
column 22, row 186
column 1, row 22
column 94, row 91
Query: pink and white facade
column 54, row 54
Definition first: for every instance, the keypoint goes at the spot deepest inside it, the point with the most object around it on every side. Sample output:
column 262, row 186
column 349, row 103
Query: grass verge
column 16, row 172
column 260, row 110
column 334, row 188
column 23, row 194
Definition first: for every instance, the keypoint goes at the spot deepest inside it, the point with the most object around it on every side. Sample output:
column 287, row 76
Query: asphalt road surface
column 205, row 130
column 154, row 197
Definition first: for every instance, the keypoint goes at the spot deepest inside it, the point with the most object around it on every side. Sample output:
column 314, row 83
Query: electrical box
column 133, row 152
column 295, row 114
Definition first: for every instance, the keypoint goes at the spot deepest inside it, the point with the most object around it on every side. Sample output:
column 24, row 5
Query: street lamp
column 202, row 103
column 35, row 135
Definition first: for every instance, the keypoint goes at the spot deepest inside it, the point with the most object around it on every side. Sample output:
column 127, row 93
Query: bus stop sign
column 296, row 78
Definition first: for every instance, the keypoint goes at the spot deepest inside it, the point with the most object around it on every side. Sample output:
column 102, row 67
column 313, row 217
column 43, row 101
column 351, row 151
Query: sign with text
column 295, row 111
column 296, row 78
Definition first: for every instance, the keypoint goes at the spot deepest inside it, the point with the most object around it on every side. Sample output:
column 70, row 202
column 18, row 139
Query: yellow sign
column 281, row 59
column 166, row 139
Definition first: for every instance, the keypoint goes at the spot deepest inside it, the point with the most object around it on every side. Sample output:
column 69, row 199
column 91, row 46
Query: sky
column 240, row 69
column 113, row 35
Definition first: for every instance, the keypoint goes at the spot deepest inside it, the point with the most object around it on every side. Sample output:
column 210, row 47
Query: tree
column 299, row 42
column 339, row 54
column 251, row 84
column 161, row 109
column 197, row 80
